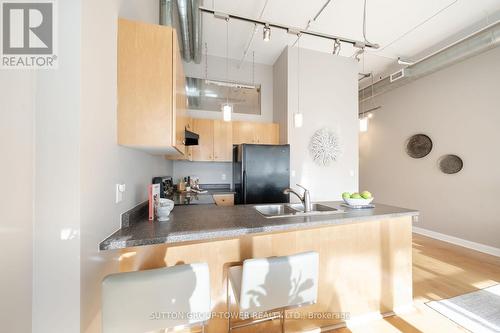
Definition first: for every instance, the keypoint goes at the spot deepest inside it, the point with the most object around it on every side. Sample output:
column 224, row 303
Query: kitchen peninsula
column 365, row 255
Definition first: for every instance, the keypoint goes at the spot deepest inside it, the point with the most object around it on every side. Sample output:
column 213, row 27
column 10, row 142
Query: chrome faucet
column 305, row 199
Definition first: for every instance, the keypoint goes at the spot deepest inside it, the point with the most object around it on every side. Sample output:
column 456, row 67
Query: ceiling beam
column 290, row 29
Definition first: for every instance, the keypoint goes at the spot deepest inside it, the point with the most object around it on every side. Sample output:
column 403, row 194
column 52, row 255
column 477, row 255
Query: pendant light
column 227, row 109
column 298, row 119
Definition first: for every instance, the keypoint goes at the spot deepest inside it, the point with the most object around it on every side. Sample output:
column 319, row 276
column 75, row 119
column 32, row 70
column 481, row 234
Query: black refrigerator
column 261, row 173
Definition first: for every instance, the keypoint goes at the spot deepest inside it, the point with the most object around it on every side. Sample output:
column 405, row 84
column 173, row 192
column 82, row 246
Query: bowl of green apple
column 357, row 199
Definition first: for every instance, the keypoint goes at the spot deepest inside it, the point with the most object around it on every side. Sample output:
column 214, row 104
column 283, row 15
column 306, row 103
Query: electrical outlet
column 223, row 176
column 120, row 189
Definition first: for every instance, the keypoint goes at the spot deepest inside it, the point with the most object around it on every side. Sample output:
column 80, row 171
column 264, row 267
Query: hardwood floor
column 440, row 270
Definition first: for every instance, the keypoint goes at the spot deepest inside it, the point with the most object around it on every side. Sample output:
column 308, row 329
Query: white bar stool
column 276, row 283
column 144, row 301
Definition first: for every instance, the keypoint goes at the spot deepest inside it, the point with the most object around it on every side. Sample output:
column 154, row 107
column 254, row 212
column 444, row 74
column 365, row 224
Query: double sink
column 290, row 210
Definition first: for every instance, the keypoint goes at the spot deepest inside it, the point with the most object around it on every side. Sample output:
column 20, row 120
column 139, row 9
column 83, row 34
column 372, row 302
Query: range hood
column 190, row 138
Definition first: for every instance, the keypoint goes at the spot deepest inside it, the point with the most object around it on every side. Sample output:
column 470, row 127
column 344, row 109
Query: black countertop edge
column 210, row 222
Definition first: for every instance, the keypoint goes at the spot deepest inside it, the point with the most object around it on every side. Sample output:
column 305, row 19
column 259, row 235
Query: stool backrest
column 155, row 299
column 279, row 282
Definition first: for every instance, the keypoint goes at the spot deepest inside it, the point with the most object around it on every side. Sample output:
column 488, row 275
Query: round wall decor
column 418, row 146
column 325, row 147
column 450, row 164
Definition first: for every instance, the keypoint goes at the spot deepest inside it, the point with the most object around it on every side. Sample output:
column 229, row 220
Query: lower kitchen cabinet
column 224, row 199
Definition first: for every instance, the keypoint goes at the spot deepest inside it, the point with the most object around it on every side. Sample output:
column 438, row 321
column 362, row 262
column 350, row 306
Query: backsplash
column 208, row 172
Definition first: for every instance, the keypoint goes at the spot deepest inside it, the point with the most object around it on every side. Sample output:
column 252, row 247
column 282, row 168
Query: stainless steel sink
column 316, row 208
column 288, row 210
column 275, row 210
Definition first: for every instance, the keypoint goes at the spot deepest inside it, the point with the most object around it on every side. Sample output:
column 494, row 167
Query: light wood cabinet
column 151, row 95
column 215, row 142
column 243, row 132
column 224, row 199
column 204, row 151
column 252, row 132
column 217, row 138
column 223, row 141
column 267, row 133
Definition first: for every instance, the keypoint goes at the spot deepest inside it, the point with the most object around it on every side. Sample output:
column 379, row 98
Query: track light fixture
column 267, row 33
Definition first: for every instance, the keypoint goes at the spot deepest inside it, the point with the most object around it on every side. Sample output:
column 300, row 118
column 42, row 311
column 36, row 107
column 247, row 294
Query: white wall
column 56, row 242
column 280, row 94
column 328, row 97
column 217, row 71
column 208, row 172
column 458, row 108
column 17, row 90
column 103, row 162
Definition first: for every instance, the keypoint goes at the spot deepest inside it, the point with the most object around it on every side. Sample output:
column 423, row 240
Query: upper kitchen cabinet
column 258, row 133
column 151, row 89
column 204, row 151
column 215, row 143
column 223, row 141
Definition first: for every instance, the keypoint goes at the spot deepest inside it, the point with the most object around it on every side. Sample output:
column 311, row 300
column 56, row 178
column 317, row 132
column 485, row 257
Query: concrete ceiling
column 402, row 28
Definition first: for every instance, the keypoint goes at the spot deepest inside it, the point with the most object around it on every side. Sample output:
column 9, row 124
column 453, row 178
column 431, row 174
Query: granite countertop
column 211, row 222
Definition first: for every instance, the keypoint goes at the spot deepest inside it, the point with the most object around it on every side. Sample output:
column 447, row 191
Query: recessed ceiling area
column 403, row 28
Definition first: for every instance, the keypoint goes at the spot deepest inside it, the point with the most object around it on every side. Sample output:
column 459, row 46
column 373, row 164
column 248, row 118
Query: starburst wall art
column 325, row 147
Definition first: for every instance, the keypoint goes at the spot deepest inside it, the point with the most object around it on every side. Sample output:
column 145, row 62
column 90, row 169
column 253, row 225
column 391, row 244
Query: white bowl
column 163, row 209
column 358, row 202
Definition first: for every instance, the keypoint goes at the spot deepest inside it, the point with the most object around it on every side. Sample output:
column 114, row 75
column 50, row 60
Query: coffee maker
column 166, row 185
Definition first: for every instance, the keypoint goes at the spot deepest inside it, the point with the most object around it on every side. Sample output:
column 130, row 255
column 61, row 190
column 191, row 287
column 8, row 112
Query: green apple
column 366, row 195
column 346, row 195
column 356, row 196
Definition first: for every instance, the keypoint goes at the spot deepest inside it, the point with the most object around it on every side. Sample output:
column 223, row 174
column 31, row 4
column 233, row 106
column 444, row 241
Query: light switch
column 120, row 189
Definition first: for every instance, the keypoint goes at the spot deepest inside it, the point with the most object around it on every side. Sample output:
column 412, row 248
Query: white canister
column 164, row 208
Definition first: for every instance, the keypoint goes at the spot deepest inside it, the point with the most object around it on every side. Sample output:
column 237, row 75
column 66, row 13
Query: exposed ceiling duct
column 186, row 18
column 479, row 42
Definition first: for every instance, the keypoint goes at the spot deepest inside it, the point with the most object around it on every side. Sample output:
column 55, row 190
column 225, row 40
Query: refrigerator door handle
column 243, row 187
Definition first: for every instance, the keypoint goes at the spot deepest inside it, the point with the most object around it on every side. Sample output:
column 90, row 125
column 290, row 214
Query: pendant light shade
column 298, row 120
column 363, row 124
column 227, row 109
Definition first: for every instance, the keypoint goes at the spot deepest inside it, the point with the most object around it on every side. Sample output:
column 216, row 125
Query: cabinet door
column 204, row 151
column 180, row 118
column 223, row 141
column 243, row 132
column 224, row 199
column 267, row 133
column 144, row 85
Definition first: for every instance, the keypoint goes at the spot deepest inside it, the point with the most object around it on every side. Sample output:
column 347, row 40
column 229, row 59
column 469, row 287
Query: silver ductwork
column 196, row 28
column 479, row 42
column 186, row 18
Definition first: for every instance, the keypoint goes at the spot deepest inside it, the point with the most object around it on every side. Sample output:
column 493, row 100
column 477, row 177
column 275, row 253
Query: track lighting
column 267, row 33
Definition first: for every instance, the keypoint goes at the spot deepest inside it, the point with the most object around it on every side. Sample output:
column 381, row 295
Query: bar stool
column 143, row 301
column 272, row 284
